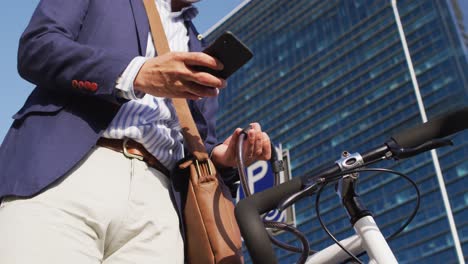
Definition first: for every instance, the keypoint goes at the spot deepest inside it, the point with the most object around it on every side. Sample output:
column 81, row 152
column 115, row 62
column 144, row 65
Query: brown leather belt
column 133, row 149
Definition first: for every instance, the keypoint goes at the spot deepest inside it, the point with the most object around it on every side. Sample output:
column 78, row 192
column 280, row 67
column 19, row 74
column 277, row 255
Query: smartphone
column 230, row 51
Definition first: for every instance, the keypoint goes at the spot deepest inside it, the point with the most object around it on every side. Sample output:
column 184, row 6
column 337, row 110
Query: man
column 69, row 193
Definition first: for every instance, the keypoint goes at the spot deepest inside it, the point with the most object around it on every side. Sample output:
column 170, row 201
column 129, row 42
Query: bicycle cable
column 291, row 229
column 305, row 252
column 398, row 231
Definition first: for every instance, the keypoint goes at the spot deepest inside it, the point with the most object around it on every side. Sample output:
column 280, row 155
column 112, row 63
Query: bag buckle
column 198, row 164
column 128, row 154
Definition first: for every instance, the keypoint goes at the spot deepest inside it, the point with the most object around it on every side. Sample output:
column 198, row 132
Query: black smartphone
column 230, row 51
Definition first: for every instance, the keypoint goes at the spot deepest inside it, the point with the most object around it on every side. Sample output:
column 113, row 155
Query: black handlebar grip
column 248, row 213
column 439, row 127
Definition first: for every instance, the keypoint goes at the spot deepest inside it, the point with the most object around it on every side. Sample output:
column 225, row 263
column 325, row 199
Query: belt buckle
column 127, row 154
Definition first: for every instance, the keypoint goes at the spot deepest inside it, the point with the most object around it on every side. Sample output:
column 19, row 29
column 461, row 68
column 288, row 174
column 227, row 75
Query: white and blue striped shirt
column 150, row 120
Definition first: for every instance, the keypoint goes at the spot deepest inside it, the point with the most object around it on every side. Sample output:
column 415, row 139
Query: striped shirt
column 150, row 120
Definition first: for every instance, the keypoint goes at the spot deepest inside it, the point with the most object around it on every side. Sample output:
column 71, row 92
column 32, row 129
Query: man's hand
column 257, row 146
column 171, row 75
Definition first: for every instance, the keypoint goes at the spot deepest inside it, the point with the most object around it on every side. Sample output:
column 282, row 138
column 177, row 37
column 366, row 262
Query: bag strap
column 189, row 129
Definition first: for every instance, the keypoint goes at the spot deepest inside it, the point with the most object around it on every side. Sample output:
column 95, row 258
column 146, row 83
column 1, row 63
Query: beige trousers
column 109, row 209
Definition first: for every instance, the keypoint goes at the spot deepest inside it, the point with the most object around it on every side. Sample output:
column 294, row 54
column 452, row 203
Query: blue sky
column 12, row 23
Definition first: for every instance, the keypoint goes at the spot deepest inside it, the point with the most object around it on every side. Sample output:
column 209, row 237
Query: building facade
column 329, row 76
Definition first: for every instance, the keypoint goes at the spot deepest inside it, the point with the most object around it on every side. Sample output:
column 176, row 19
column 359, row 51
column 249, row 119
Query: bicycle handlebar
column 248, row 210
column 439, row 127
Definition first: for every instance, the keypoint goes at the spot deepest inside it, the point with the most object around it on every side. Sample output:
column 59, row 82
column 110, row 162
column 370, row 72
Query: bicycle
column 344, row 172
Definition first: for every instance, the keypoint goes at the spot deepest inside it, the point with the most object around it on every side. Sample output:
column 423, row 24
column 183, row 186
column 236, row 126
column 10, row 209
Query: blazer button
column 75, row 84
column 81, row 85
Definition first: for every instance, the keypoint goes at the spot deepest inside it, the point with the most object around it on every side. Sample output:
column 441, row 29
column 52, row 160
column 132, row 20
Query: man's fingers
column 207, row 79
column 195, row 60
column 254, row 140
column 255, row 127
column 234, row 139
column 202, row 59
column 254, row 132
column 266, row 151
column 258, row 149
column 262, row 149
column 200, row 90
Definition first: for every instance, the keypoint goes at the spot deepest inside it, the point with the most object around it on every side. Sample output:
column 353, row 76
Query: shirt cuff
column 124, row 84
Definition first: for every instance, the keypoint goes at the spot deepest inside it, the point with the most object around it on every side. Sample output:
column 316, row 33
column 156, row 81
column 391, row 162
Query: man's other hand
column 256, row 146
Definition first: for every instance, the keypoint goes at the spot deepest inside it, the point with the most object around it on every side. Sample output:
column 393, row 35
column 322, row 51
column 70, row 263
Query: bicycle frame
column 368, row 238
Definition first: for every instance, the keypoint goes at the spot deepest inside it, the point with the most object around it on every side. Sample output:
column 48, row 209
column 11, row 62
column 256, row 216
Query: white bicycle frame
column 368, row 237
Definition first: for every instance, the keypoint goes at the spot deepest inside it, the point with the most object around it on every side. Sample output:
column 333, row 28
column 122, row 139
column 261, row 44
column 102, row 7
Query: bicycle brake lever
column 288, row 201
column 402, row 153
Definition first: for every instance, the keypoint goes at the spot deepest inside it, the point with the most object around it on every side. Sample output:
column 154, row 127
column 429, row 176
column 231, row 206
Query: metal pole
column 440, row 178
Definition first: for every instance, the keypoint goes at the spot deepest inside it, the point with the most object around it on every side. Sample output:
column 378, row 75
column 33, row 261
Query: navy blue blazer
column 74, row 52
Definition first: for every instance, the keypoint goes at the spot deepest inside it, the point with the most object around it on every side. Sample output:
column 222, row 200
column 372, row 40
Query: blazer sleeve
column 50, row 56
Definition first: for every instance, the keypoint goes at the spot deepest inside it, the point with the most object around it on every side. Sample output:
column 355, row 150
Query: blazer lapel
column 141, row 22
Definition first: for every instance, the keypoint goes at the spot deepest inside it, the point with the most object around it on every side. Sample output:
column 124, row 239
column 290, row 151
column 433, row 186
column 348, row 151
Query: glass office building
column 329, row 76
